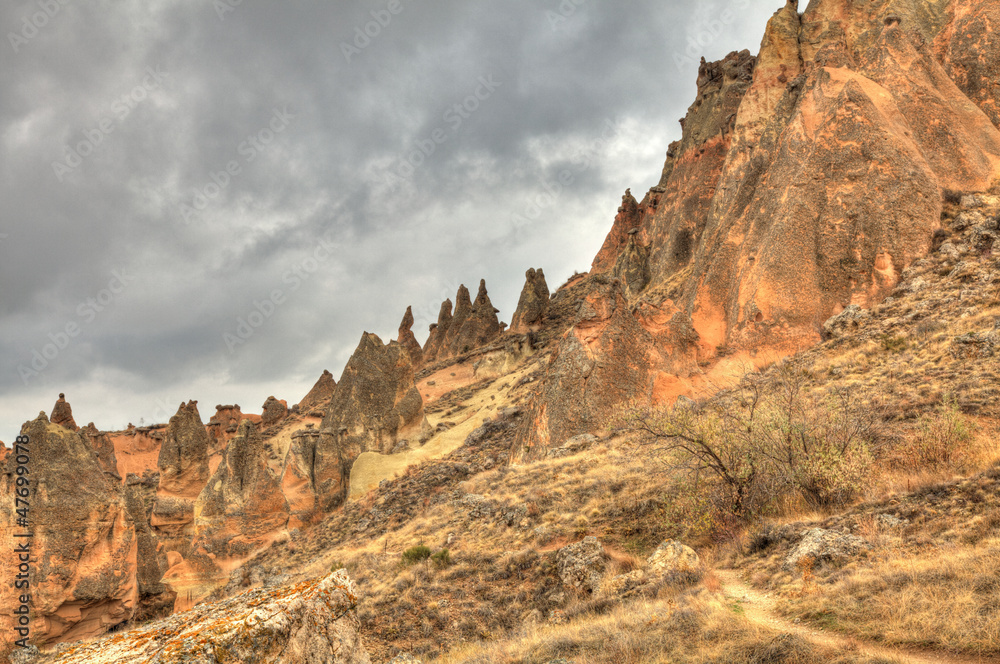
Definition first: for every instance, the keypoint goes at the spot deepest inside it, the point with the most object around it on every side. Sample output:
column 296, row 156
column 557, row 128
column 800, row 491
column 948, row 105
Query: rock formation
column 273, row 412
column 408, row 341
column 104, row 450
column 184, row 472
column 222, row 426
column 311, row 622
column 473, row 325
column 480, row 327
column 62, row 414
column 806, row 180
column 376, row 406
column 463, row 309
column 156, row 599
column 298, row 483
column 84, row 580
column 320, row 394
column 532, row 304
column 438, row 333
column 242, row 506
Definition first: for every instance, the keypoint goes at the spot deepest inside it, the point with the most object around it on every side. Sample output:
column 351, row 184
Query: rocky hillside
column 831, row 211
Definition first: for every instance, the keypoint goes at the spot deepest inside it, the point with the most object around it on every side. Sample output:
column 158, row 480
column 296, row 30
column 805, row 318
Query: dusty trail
column 759, row 608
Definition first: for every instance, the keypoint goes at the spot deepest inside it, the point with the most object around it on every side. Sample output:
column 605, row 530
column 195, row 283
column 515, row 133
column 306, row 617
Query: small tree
column 767, row 437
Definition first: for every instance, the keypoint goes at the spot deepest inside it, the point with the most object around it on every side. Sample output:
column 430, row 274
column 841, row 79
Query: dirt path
column 759, row 608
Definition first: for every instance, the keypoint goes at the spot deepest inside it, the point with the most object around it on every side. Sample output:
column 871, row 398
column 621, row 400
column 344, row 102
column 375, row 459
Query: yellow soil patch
column 371, row 467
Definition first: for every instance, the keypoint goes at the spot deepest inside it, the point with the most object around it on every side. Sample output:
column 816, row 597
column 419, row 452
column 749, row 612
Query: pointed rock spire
column 532, row 304
column 62, row 414
column 408, row 341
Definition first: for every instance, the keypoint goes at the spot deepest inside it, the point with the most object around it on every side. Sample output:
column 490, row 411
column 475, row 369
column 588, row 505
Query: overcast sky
column 170, row 167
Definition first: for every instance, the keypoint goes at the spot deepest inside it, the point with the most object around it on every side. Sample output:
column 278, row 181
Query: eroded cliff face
column 376, row 406
column 84, row 581
column 807, row 179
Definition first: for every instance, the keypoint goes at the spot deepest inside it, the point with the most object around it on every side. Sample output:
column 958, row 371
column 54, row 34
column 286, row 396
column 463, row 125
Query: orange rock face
column 84, row 545
column 807, row 179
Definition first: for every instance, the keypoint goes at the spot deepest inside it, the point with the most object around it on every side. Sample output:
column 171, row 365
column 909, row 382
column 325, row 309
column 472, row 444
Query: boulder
column 581, row 565
column 674, row 562
column 304, row 624
column 62, row 414
column 846, row 322
column 825, row 546
column 532, row 304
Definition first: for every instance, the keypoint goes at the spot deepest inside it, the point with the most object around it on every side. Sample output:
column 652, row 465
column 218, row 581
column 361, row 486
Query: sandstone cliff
column 376, row 406
column 806, row 180
column 84, row 580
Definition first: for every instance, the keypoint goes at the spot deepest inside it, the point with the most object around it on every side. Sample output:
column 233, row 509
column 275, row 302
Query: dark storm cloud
column 172, row 168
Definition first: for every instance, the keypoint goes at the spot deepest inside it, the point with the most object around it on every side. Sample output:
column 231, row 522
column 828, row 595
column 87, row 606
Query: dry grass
column 929, row 582
column 944, row 599
column 694, row 627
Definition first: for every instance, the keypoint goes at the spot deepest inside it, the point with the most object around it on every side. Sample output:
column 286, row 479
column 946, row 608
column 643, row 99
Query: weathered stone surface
column 532, row 304
column 155, row 598
column 273, row 412
column 305, row 624
column 408, row 341
column 463, row 309
column 376, row 405
column 825, row 546
column 84, row 580
column 603, row 361
column 242, row 507
column 806, row 180
column 846, row 322
column 222, row 426
column 481, row 325
column 581, row 565
column 104, row 450
column 438, row 333
column 674, row 562
column 184, row 472
column 62, row 414
column 320, row 394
